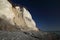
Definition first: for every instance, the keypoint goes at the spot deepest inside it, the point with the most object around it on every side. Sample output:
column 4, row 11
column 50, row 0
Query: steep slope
column 16, row 16
column 16, row 23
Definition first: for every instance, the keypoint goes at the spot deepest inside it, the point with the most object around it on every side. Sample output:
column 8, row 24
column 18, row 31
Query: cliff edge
column 16, row 16
column 16, row 23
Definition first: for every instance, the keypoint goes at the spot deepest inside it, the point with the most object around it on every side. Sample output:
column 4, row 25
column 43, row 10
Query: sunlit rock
column 16, row 16
column 6, row 12
column 16, row 23
column 28, row 19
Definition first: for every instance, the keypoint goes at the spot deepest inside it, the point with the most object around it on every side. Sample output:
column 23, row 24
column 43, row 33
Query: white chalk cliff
column 17, row 16
column 16, row 23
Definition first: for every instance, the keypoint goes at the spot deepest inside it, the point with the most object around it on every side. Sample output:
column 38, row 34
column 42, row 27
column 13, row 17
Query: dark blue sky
column 46, row 13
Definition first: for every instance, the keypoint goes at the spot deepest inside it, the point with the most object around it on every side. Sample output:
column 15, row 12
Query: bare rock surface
column 16, row 16
column 16, row 23
column 15, row 36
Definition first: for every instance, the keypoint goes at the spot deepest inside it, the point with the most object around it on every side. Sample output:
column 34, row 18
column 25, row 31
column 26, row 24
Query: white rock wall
column 28, row 20
column 24, row 19
column 6, row 11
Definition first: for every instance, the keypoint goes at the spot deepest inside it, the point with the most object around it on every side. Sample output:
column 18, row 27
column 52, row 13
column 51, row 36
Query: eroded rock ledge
column 16, row 23
column 16, row 16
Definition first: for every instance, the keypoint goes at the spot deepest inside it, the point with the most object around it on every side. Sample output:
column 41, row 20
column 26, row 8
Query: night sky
column 46, row 13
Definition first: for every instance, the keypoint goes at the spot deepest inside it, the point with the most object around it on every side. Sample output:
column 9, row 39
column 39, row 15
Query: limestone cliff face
column 16, row 23
column 16, row 16
column 6, row 12
column 28, row 20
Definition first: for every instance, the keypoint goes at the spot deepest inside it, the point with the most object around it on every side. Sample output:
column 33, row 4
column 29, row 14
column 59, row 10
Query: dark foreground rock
column 4, row 35
column 15, row 36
